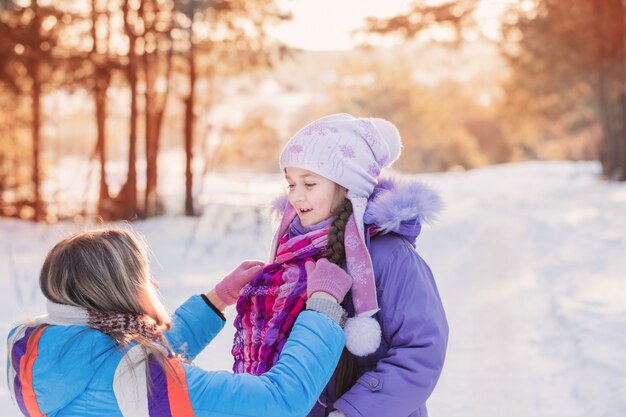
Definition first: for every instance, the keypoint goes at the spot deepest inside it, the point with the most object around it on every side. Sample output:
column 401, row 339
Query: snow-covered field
column 530, row 261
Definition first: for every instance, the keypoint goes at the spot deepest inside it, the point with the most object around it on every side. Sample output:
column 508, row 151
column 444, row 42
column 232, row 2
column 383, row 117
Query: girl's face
column 314, row 197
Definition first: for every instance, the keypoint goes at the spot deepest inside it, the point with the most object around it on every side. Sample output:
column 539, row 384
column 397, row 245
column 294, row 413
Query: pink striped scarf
column 269, row 305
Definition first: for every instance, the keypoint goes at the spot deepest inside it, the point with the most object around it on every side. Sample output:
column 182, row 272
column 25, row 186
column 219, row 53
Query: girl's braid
column 347, row 371
column 335, row 250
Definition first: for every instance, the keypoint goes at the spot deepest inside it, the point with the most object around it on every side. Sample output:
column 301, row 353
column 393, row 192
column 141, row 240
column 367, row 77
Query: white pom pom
column 390, row 134
column 362, row 335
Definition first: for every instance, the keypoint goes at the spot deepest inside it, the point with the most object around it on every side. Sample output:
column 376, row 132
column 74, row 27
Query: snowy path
column 532, row 268
column 530, row 261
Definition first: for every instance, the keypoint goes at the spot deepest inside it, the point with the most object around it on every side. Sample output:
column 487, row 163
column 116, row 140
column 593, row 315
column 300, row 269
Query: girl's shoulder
column 393, row 256
column 390, row 246
column 396, row 262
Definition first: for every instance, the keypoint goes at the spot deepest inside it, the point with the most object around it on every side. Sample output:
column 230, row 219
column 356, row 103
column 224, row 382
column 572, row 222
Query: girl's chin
column 305, row 223
column 306, row 220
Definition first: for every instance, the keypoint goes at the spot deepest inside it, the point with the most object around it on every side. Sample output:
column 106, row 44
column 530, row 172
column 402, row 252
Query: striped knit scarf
column 269, row 305
column 110, row 323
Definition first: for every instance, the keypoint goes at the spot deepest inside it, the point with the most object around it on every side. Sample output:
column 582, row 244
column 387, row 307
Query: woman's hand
column 326, row 279
column 229, row 287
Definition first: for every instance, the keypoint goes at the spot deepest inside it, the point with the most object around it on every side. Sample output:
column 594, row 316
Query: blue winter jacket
column 77, row 371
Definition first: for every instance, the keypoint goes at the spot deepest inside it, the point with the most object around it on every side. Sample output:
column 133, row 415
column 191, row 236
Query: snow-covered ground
column 530, row 261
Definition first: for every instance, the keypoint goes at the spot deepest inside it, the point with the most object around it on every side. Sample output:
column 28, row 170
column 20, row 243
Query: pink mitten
column 229, row 287
column 327, row 277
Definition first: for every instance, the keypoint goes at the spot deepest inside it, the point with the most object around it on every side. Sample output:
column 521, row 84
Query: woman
column 107, row 346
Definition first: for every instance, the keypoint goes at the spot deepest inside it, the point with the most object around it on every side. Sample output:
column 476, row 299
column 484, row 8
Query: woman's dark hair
column 347, row 371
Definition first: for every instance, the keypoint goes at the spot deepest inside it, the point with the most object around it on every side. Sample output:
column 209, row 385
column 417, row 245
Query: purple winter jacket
column 399, row 377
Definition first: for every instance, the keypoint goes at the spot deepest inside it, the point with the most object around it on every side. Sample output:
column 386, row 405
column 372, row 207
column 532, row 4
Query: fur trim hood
column 399, row 206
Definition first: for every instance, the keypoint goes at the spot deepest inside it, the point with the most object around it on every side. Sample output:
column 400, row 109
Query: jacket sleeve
column 415, row 331
column 289, row 389
column 194, row 325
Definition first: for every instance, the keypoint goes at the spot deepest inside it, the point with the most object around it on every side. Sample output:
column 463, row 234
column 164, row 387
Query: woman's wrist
column 216, row 301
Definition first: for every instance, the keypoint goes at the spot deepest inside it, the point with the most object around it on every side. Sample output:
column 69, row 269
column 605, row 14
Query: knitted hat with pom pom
column 351, row 152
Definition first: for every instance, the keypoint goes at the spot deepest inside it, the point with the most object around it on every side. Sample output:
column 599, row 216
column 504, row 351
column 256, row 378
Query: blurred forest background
column 100, row 94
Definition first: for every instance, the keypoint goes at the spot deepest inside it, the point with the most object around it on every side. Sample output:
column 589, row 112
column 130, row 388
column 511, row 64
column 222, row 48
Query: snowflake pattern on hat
column 370, row 133
column 319, row 129
column 347, row 151
column 373, row 170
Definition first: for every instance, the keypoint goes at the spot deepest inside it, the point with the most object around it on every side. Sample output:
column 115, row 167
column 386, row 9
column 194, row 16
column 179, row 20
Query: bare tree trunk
column 621, row 146
column 150, row 196
column 104, row 198
column 610, row 39
column 615, row 38
column 606, row 120
column 101, row 85
column 33, row 71
column 603, row 88
column 189, row 123
column 155, row 108
column 129, row 190
column 618, row 15
column 3, row 179
column 36, row 95
column 150, row 203
column 131, row 181
column 155, row 99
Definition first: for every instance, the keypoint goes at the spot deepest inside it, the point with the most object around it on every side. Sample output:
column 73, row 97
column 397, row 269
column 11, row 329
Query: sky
column 326, row 24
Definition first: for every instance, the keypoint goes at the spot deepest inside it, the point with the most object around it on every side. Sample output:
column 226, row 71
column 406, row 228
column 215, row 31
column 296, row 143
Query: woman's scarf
column 270, row 304
column 109, row 323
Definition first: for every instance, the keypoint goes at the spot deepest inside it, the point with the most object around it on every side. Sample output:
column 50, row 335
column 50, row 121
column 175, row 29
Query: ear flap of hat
column 391, row 137
column 359, row 265
column 363, row 331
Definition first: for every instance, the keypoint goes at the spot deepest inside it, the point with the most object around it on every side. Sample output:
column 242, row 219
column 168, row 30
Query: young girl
column 338, row 208
column 108, row 347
